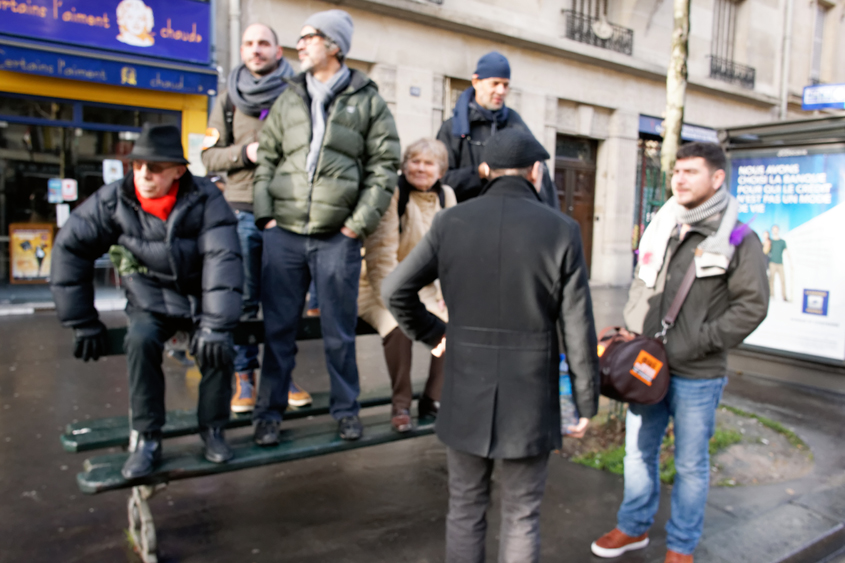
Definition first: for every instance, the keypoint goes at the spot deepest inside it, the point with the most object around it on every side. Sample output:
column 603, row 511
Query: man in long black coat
column 510, row 268
column 479, row 114
column 174, row 240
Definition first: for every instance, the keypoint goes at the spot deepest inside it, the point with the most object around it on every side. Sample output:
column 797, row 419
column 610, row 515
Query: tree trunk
column 676, row 90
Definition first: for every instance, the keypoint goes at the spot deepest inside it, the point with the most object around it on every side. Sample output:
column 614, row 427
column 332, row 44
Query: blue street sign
column 823, row 96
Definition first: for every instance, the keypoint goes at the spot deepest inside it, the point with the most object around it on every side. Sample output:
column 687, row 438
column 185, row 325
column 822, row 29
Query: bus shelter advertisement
column 793, row 199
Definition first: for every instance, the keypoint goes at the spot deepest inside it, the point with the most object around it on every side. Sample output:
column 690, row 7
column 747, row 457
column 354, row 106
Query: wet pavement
column 381, row 504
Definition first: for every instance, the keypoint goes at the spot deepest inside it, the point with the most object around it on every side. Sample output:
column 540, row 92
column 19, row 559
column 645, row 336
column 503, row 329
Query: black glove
column 212, row 348
column 90, row 341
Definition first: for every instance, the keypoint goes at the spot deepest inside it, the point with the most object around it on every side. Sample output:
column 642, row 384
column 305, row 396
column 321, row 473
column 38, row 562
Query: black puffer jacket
column 194, row 259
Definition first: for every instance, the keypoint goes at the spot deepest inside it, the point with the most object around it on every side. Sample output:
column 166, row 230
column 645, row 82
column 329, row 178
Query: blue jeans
column 290, row 262
column 692, row 405
column 246, row 357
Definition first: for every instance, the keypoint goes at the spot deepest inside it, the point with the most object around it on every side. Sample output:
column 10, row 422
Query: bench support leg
column 141, row 527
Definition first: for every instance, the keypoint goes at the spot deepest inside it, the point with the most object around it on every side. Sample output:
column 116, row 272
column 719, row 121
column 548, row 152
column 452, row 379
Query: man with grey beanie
column 510, row 269
column 327, row 161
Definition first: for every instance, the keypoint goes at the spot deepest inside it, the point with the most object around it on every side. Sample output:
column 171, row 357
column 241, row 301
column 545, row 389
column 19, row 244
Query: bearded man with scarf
column 729, row 298
column 327, row 162
column 231, row 146
column 479, row 113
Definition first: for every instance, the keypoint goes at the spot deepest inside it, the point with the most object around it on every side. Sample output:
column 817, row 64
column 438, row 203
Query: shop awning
column 104, row 68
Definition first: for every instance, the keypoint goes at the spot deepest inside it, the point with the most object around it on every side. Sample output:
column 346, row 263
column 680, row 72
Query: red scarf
column 160, row 206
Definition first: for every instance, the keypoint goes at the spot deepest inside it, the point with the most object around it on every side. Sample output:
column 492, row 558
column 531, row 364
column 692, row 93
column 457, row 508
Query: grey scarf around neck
column 251, row 95
column 716, row 204
column 321, row 96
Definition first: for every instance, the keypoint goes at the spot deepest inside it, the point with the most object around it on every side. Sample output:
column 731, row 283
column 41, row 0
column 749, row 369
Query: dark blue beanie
column 493, row 65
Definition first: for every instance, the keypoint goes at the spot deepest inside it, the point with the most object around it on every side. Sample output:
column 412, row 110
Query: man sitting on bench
column 174, row 241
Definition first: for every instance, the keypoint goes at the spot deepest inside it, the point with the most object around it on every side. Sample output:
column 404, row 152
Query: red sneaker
column 615, row 543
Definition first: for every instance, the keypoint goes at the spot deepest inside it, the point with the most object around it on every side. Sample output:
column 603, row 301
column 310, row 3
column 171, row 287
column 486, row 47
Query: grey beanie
column 336, row 25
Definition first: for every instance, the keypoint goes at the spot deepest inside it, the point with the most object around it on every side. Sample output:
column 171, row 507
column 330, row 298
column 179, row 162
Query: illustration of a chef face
column 135, row 20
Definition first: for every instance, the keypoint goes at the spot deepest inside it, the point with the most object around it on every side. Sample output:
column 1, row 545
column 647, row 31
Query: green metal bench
column 102, row 473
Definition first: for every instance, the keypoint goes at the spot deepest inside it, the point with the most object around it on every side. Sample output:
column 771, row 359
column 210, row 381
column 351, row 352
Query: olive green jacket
column 356, row 168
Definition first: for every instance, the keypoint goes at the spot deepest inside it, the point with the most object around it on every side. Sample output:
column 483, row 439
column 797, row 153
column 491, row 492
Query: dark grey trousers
column 522, row 483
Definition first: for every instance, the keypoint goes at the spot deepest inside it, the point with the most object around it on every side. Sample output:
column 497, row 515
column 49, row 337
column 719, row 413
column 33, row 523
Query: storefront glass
column 43, row 139
column 650, row 192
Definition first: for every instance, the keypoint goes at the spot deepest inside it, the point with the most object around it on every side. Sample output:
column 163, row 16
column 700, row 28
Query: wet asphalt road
column 380, row 504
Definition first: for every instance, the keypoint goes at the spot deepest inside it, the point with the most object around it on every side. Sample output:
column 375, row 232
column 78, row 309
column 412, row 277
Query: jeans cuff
column 631, row 531
column 683, row 550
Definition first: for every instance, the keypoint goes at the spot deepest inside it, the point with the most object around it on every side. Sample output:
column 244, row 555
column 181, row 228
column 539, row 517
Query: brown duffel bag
column 634, row 367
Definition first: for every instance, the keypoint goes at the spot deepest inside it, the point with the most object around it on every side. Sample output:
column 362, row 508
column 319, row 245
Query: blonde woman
column 418, row 197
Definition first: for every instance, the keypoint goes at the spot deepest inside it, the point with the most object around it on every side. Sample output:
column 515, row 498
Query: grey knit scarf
column 251, row 95
column 716, row 204
column 321, row 96
column 716, row 250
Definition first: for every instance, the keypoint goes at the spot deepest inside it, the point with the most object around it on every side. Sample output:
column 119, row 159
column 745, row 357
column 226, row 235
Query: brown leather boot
column 675, row 557
column 615, row 543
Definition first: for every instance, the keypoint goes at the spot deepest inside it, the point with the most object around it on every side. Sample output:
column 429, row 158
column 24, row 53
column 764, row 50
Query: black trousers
column 144, row 346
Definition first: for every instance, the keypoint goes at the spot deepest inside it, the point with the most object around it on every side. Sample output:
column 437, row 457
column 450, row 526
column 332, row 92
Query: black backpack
column 405, row 194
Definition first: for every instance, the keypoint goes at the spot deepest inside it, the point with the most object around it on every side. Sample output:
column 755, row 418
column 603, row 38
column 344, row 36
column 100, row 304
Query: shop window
column 130, row 118
column 35, row 108
column 43, row 139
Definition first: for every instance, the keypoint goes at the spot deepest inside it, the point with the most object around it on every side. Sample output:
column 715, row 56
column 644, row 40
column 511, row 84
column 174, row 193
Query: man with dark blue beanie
column 479, row 113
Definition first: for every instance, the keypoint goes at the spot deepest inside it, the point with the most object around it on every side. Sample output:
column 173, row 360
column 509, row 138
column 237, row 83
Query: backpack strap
column 404, row 195
column 229, row 117
column 678, row 302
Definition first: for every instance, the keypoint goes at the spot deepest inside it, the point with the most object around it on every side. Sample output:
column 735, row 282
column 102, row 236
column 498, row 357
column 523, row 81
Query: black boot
column 146, row 453
column 350, row 428
column 427, row 408
column 216, row 450
column 266, row 432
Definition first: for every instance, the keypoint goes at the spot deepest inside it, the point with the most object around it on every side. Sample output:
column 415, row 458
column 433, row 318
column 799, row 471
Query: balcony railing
column 583, row 29
column 729, row 71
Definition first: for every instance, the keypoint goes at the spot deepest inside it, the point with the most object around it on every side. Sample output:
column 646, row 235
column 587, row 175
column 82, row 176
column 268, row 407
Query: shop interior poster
column 30, row 248
column 793, row 199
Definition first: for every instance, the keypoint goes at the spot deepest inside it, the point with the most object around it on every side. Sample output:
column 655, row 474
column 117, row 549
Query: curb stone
column 819, row 549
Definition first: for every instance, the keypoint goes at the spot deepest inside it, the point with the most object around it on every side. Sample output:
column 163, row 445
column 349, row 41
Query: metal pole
column 786, row 55
column 234, row 34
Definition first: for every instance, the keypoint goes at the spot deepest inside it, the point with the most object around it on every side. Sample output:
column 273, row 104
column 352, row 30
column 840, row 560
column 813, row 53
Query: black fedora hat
column 159, row 143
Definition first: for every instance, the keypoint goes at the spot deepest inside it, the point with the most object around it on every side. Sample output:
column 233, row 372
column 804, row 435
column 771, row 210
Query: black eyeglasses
column 153, row 167
column 309, row 36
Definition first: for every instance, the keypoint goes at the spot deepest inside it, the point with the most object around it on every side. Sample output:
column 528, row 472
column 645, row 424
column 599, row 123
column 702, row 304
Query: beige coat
column 386, row 247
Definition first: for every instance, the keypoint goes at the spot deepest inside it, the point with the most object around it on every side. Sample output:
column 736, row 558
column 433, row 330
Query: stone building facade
column 588, row 77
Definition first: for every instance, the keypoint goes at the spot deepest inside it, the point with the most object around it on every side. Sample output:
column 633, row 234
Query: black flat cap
column 159, row 143
column 513, row 148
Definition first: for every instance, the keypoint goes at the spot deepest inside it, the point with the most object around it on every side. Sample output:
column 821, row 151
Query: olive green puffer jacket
column 356, row 168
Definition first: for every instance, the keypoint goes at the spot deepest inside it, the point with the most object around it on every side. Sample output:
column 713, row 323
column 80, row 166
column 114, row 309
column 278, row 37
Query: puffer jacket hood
column 193, row 259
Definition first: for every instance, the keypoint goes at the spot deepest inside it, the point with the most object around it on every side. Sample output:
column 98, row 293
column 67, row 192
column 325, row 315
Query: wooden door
column 575, row 178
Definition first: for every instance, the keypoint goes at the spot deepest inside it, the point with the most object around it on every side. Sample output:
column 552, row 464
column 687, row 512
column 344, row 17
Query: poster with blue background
column 172, row 29
column 793, row 199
